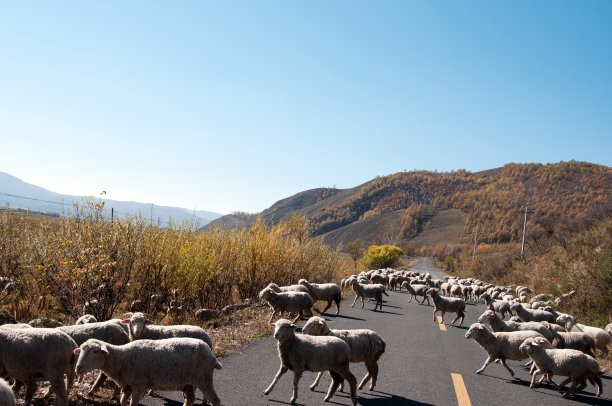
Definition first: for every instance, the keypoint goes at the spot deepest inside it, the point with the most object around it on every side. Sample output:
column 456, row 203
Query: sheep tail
column 218, row 365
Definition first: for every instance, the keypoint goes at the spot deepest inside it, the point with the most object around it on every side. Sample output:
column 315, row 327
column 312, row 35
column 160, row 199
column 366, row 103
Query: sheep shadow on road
column 330, row 317
column 389, row 399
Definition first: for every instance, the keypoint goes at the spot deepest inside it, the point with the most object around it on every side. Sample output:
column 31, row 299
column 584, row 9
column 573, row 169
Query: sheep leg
column 316, row 381
column 99, row 381
column 337, row 300
column 442, row 316
column 329, row 303
column 30, row 390
column 362, row 302
column 411, row 296
column 58, row 386
column 346, row 374
column 137, row 393
column 209, row 392
column 125, row 394
column 272, row 316
column 487, row 362
column 571, row 390
column 533, row 378
column 356, row 297
column 280, row 373
column 300, row 314
column 188, row 395
column 503, row 361
column 434, row 314
column 366, row 378
column 297, row 374
column 336, row 381
column 599, row 385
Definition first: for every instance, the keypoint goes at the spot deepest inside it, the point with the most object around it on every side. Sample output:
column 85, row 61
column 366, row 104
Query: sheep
column 302, row 352
column 368, row 291
column 574, row 364
column 447, row 305
column 324, row 291
column 203, row 315
column 498, row 325
column 7, row 397
column 417, row 290
column 288, row 288
column 365, row 345
column 502, row 345
column 287, row 301
column 532, row 315
column 574, row 340
column 86, row 318
column 601, row 337
column 110, row 331
column 539, row 298
column 499, row 306
column 140, row 327
column 179, row 363
column 29, row 354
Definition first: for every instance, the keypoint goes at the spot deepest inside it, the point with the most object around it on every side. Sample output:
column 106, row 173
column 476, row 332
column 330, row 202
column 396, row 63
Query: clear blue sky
column 231, row 106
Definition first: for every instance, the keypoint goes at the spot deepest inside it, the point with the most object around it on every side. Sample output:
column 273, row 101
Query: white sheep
column 368, row 291
column 86, row 318
column 140, row 327
column 324, row 291
column 447, row 305
column 574, row 364
column 292, row 302
column 531, row 314
column 300, row 352
column 179, row 363
column 575, row 340
column 498, row 325
column 288, row 288
column 7, row 397
column 502, row 346
column 601, row 336
column 29, row 354
column 110, row 331
column 365, row 345
column 500, row 306
column 416, row 290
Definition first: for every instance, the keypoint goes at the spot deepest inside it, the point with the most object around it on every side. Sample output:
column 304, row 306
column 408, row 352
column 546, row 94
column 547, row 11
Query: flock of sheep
column 136, row 354
column 555, row 343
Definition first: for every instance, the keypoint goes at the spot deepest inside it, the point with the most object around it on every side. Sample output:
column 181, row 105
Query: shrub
column 382, row 256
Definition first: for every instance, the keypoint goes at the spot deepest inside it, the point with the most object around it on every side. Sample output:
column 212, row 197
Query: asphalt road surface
column 423, row 365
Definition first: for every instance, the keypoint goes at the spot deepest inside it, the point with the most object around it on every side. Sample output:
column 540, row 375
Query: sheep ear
column 77, row 351
column 293, row 326
column 273, row 324
column 104, row 348
column 126, row 321
column 148, row 322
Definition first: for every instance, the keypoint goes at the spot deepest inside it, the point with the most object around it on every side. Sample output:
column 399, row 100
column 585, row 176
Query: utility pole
column 524, row 227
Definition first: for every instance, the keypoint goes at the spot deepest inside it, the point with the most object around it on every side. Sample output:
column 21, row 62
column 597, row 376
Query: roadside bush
column 382, row 256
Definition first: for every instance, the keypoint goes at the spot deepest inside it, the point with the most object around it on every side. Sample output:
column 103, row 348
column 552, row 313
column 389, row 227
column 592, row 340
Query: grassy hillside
column 422, row 207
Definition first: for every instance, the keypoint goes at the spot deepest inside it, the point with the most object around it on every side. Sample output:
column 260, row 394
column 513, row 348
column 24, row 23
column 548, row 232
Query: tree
column 382, row 256
column 355, row 249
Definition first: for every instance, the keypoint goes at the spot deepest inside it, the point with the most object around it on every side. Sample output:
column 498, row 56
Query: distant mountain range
column 16, row 193
column 427, row 208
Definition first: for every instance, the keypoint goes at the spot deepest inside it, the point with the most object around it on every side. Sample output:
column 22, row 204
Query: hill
column 422, row 207
column 16, row 193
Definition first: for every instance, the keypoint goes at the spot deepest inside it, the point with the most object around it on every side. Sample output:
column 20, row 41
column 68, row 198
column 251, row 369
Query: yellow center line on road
column 462, row 396
column 441, row 324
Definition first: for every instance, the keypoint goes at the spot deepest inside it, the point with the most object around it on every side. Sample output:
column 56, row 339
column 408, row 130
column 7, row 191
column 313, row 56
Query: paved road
column 416, row 369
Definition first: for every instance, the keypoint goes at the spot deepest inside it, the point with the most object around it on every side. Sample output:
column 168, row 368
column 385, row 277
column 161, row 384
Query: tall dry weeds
column 57, row 264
